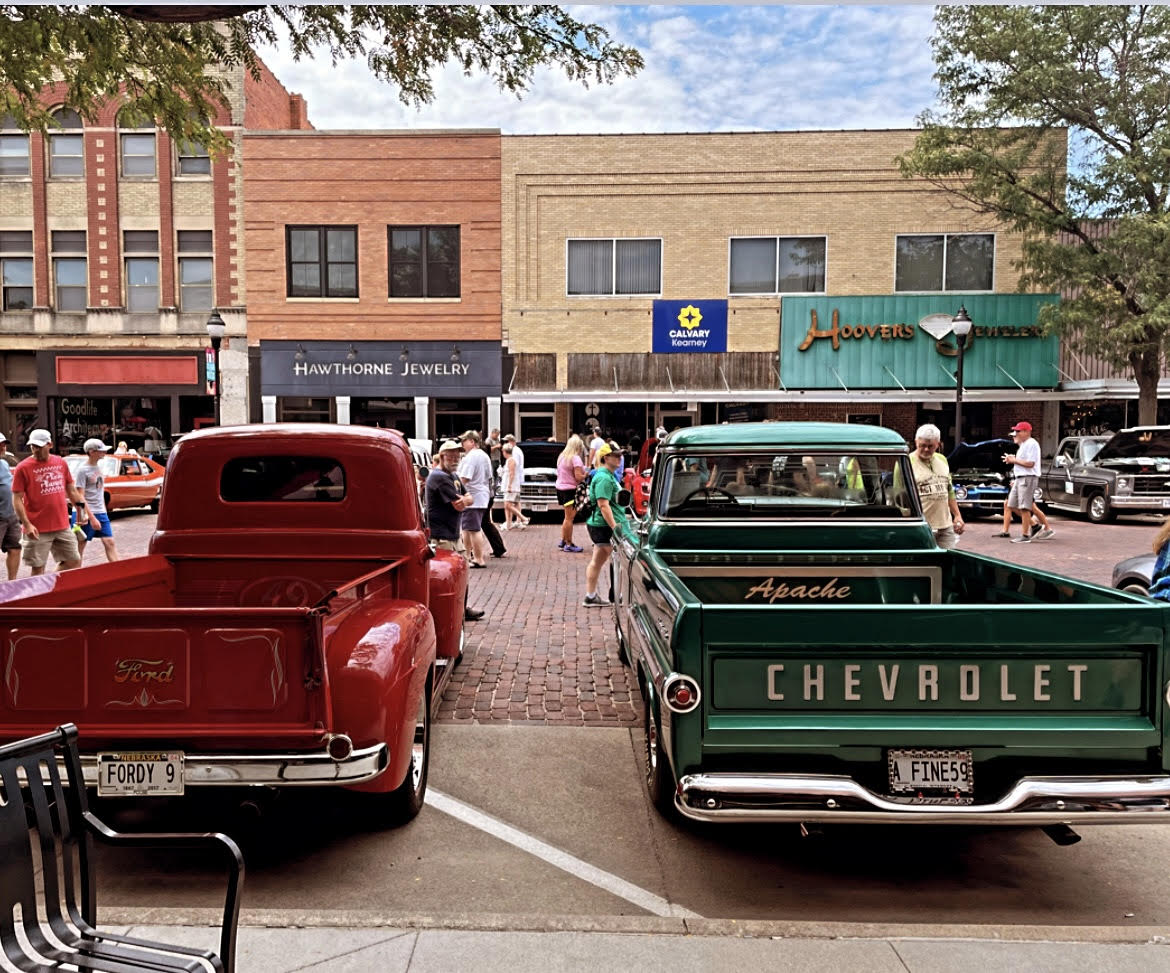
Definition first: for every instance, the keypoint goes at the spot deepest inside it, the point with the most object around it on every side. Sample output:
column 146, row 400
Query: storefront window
column 383, row 413
column 291, row 408
column 455, row 416
column 142, row 423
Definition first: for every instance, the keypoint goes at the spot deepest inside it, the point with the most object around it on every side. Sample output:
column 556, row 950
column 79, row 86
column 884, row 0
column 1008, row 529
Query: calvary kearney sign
column 465, row 369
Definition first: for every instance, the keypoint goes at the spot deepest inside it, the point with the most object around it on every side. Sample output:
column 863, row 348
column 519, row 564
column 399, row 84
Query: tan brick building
column 374, row 277
column 609, row 240
column 116, row 243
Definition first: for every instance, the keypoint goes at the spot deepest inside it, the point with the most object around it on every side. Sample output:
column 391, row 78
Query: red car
column 131, row 480
column 637, row 477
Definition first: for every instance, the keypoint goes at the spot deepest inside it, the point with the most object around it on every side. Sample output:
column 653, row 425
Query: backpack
column 583, row 499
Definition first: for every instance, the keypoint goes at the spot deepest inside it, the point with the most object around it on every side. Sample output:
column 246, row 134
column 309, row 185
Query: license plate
column 1166, row 502
column 932, row 774
column 158, row 774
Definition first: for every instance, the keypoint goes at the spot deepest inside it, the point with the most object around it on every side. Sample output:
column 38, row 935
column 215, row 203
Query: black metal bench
column 48, row 829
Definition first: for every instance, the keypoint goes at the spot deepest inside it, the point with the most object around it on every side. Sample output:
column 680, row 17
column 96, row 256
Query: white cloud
column 707, row 69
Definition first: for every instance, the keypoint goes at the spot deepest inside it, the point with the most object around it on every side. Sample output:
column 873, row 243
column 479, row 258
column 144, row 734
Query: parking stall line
column 654, row 904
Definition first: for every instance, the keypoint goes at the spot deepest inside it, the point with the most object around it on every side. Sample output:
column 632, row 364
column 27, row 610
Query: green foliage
column 1014, row 84
column 174, row 72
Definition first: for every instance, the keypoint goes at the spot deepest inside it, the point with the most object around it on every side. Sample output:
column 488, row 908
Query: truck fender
column 378, row 673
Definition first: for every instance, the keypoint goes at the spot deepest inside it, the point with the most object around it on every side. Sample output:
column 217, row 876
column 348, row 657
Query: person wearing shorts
column 91, row 482
column 603, row 520
column 41, row 485
column 446, row 502
column 570, row 472
column 9, row 524
column 1025, row 478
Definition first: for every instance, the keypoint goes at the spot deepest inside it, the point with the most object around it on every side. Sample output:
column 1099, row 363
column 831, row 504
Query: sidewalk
column 333, row 949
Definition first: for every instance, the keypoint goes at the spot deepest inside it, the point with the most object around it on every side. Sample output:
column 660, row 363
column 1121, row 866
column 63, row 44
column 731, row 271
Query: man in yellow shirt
column 932, row 476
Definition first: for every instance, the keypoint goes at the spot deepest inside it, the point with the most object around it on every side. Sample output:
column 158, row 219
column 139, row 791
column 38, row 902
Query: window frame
column 21, row 255
column 124, row 130
column 647, row 295
column 776, row 292
column 139, row 254
column 181, row 256
column 323, row 261
column 181, row 156
column 58, row 252
column 424, row 229
column 11, row 132
column 946, row 237
column 70, row 131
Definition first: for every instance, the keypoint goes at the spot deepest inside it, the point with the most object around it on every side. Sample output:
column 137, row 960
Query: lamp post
column 961, row 325
column 215, row 330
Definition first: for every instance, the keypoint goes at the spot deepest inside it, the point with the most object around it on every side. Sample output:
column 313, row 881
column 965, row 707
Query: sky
column 708, row 68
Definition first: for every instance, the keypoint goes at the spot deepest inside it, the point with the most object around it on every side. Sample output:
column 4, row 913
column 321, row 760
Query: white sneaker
column 1044, row 534
column 595, row 601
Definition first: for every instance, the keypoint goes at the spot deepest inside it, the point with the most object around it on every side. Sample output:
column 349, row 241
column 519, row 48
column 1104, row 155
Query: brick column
column 223, row 177
column 101, row 193
column 166, row 224
column 40, row 222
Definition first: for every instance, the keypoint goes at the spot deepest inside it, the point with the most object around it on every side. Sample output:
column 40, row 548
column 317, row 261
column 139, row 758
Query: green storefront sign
column 904, row 341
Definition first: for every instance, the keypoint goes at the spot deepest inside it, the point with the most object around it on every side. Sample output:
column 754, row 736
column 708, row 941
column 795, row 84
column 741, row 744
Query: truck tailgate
column 181, row 674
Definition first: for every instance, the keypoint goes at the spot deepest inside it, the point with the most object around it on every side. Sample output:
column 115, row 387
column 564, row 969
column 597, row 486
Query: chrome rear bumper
column 1032, row 801
column 314, row 769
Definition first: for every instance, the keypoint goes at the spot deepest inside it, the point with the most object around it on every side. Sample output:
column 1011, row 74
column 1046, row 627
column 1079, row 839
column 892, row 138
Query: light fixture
column 456, row 354
column 961, row 324
column 404, row 354
column 352, row 354
column 300, row 355
column 215, row 330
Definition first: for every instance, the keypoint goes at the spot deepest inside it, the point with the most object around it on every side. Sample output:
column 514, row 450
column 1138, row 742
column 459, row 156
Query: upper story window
column 777, row 265
column 945, row 262
column 141, row 270
column 13, row 148
column 614, row 267
column 424, row 261
column 16, row 269
column 69, row 269
column 136, row 142
column 321, row 261
column 195, row 262
column 193, row 158
column 66, row 145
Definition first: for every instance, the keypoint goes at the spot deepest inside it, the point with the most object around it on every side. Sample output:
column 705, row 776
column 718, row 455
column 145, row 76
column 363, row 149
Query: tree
column 1013, row 83
column 166, row 58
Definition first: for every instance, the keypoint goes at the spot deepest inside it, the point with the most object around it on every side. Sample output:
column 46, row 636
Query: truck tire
column 154, row 503
column 659, row 779
column 1098, row 508
column 403, row 804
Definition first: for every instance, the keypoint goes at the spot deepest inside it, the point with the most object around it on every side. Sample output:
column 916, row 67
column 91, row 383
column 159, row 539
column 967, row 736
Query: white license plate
column 933, row 773
column 1166, row 502
column 158, row 774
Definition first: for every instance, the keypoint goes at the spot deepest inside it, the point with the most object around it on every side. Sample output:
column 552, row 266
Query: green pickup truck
column 807, row 653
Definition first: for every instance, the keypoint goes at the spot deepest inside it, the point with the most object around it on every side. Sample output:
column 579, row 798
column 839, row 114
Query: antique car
column 1103, row 476
column 637, row 476
column 807, row 653
column 290, row 627
column 130, row 480
column 1135, row 573
column 981, row 477
column 538, row 491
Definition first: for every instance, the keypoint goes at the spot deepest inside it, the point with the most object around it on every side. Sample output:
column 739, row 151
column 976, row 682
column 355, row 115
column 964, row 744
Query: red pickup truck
column 291, row 626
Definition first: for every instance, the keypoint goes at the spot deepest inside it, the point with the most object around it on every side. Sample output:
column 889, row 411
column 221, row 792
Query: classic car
column 1103, row 476
column 1135, row 573
column 290, row 627
column 981, row 477
column 637, row 476
column 538, row 491
column 807, row 653
column 130, row 480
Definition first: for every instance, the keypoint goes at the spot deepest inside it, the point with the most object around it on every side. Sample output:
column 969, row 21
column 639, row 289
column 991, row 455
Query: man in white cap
column 40, row 486
column 92, row 483
column 9, row 459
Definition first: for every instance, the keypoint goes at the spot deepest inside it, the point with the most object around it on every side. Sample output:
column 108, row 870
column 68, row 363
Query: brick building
column 374, row 278
column 676, row 279
column 116, row 243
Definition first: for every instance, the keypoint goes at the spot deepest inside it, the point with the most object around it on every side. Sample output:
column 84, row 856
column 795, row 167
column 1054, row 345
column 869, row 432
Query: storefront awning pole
column 515, row 369
column 886, row 368
column 726, row 384
column 615, row 379
column 1080, row 364
column 840, row 380
column 1061, row 372
column 948, row 373
column 779, row 380
column 670, row 379
column 1010, row 376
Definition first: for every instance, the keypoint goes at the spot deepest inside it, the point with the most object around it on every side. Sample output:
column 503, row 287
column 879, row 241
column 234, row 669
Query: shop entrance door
column 672, row 419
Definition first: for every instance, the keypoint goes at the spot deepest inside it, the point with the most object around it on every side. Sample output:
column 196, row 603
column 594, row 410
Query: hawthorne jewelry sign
column 468, row 369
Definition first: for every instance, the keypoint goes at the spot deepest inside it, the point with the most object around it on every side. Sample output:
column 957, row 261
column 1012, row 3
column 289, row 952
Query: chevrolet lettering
column 807, row 653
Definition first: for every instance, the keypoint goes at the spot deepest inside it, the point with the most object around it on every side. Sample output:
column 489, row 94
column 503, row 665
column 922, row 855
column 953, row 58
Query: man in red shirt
column 40, row 485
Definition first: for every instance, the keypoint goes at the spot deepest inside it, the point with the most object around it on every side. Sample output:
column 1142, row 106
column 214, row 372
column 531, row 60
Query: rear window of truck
column 282, row 479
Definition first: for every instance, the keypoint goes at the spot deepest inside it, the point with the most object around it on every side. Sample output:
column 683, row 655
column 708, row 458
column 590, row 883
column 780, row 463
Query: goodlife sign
column 468, row 369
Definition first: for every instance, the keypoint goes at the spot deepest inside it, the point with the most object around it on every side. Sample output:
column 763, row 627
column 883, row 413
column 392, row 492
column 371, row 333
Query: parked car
column 981, row 477
column 131, row 480
column 1135, row 573
column 1102, row 476
column 538, row 491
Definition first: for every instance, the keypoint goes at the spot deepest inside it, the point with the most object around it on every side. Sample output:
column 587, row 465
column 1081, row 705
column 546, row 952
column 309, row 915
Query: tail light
column 681, row 693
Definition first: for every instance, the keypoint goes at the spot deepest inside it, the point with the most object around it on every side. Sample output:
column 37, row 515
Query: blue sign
column 694, row 326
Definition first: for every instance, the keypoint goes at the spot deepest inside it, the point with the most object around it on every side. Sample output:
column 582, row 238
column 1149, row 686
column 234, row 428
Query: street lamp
column 215, row 330
column 961, row 325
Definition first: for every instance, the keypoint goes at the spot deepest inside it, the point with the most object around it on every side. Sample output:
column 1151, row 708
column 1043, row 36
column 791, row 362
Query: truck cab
column 1102, row 476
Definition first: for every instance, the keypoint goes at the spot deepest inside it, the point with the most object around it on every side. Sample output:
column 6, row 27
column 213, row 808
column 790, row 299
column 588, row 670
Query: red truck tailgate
column 220, row 674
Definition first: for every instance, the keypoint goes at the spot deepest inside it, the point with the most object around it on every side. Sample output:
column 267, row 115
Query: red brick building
column 116, row 243
column 373, row 278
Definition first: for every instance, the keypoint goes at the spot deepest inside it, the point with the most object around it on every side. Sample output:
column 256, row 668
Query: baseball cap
column 39, row 437
column 1027, row 426
column 3, row 438
column 449, row 445
column 92, row 444
column 604, row 450
column 470, row 434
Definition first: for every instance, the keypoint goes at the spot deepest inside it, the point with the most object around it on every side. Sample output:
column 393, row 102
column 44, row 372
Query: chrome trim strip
column 1148, row 501
column 272, row 769
column 820, row 798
